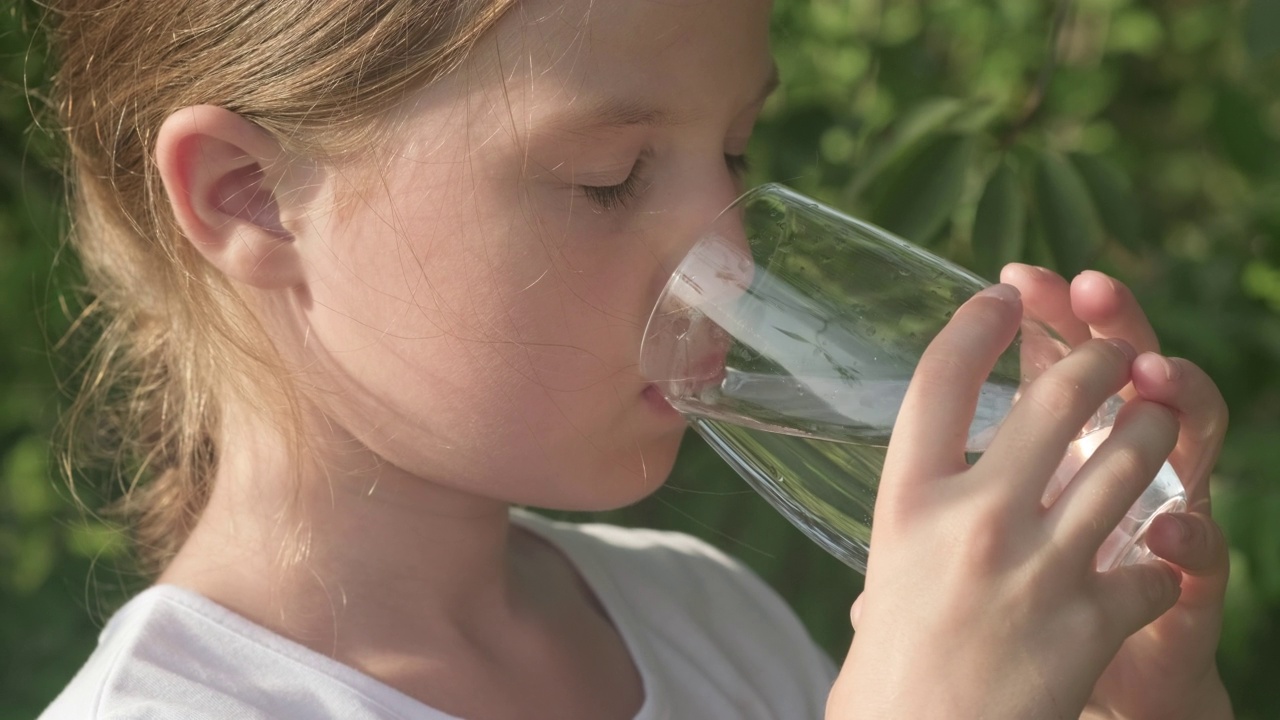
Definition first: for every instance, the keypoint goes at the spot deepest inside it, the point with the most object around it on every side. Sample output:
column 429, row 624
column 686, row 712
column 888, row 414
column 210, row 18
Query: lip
column 653, row 396
column 692, row 377
column 709, row 371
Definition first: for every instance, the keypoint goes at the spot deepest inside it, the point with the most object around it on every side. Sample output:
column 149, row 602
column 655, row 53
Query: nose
column 705, row 266
column 712, row 261
column 705, row 206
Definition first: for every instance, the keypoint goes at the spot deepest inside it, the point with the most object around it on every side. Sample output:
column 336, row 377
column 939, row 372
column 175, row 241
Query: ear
column 225, row 178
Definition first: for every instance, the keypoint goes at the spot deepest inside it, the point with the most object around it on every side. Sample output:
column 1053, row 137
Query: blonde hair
column 172, row 335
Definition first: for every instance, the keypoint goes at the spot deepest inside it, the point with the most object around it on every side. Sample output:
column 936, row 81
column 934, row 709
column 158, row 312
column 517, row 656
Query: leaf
column 1262, row 28
column 33, row 561
column 921, row 121
column 24, row 474
column 1066, row 214
column 921, row 197
column 1113, row 196
column 95, row 540
column 1262, row 282
column 1240, row 129
column 1000, row 223
column 977, row 116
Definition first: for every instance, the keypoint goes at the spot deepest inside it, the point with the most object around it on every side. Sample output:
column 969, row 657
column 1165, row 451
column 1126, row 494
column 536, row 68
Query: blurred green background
column 1141, row 138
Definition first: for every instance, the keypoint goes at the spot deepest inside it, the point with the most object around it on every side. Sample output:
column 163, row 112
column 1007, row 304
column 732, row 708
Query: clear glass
column 787, row 337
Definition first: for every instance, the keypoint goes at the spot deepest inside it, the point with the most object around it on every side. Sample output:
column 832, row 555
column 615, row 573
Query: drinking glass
column 787, row 337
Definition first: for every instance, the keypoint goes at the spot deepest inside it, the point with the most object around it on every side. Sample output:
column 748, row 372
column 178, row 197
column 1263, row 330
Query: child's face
column 476, row 312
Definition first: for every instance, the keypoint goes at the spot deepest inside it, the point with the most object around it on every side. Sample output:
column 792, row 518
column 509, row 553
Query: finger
column 855, row 613
column 929, row 436
column 1111, row 310
column 1113, row 478
column 1047, row 297
column 1053, row 410
column 1195, row 543
column 1187, row 390
column 1134, row 595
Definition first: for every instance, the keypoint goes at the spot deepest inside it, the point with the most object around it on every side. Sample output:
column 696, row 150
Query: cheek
column 483, row 350
column 460, row 344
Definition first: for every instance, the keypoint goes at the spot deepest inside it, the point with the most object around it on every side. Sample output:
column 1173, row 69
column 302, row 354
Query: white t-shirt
column 709, row 638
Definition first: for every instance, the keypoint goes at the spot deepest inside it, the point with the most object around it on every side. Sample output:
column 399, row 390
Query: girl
column 375, row 272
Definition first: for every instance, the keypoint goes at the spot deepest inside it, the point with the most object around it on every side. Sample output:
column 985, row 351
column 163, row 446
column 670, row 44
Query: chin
column 625, row 482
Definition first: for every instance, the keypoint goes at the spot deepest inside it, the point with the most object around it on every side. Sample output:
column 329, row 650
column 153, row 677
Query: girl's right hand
column 979, row 601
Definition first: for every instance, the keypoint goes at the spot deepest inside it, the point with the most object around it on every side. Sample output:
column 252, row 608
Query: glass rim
column 747, row 196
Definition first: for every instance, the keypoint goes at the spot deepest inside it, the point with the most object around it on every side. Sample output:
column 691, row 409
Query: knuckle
column 1205, row 400
column 987, row 539
column 1130, row 462
column 1055, row 395
column 985, row 547
column 1144, row 594
column 1097, row 625
column 1126, row 465
column 937, row 371
column 1157, row 587
column 1216, row 420
column 1207, row 541
column 1151, row 591
column 1097, row 369
column 1118, row 360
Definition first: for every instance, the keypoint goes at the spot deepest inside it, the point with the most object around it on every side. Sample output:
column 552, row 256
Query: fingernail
column 1171, row 369
column 1124, row 347
column 1184, row 528
column 1002, row 292
column 1103, row 277
column 1028, row 269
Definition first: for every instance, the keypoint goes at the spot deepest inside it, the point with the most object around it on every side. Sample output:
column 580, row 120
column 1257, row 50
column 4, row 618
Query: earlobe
column 225, row 178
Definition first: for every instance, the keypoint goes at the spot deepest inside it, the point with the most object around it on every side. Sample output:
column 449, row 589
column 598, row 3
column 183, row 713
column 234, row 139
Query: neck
column 421, row 586
column 355, row 542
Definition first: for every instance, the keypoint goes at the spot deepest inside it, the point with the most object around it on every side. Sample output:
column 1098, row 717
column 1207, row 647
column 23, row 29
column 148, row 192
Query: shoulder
column 171, row 653
column 134, row 673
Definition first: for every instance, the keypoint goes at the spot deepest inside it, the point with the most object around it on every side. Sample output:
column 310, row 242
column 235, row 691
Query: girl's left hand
column 1166, row 670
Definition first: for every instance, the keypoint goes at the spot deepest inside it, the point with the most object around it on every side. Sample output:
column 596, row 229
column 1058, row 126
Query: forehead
column 674, row 53
column 658, row 62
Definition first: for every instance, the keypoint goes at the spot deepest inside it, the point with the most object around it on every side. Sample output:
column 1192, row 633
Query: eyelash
column 739, row 165
column 612, row 197
column 609, row 197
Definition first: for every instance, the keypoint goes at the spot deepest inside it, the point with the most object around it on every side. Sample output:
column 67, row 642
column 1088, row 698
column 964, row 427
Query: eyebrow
column 612, row 113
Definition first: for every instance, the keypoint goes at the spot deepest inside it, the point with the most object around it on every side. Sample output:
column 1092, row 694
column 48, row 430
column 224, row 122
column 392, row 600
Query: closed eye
column 612, row 197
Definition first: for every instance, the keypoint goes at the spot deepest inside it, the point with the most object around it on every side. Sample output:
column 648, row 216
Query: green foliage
column 1141, row 138
column 1069, row 221
column 1112, row 194
column 919, row 199
column 999, row 225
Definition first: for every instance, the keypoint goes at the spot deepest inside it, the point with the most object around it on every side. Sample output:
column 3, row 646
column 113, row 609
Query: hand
column 979, row 601
column 1167, row 670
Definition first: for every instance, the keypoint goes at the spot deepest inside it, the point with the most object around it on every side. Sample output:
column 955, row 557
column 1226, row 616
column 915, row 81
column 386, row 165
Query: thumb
column 1135, row 595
